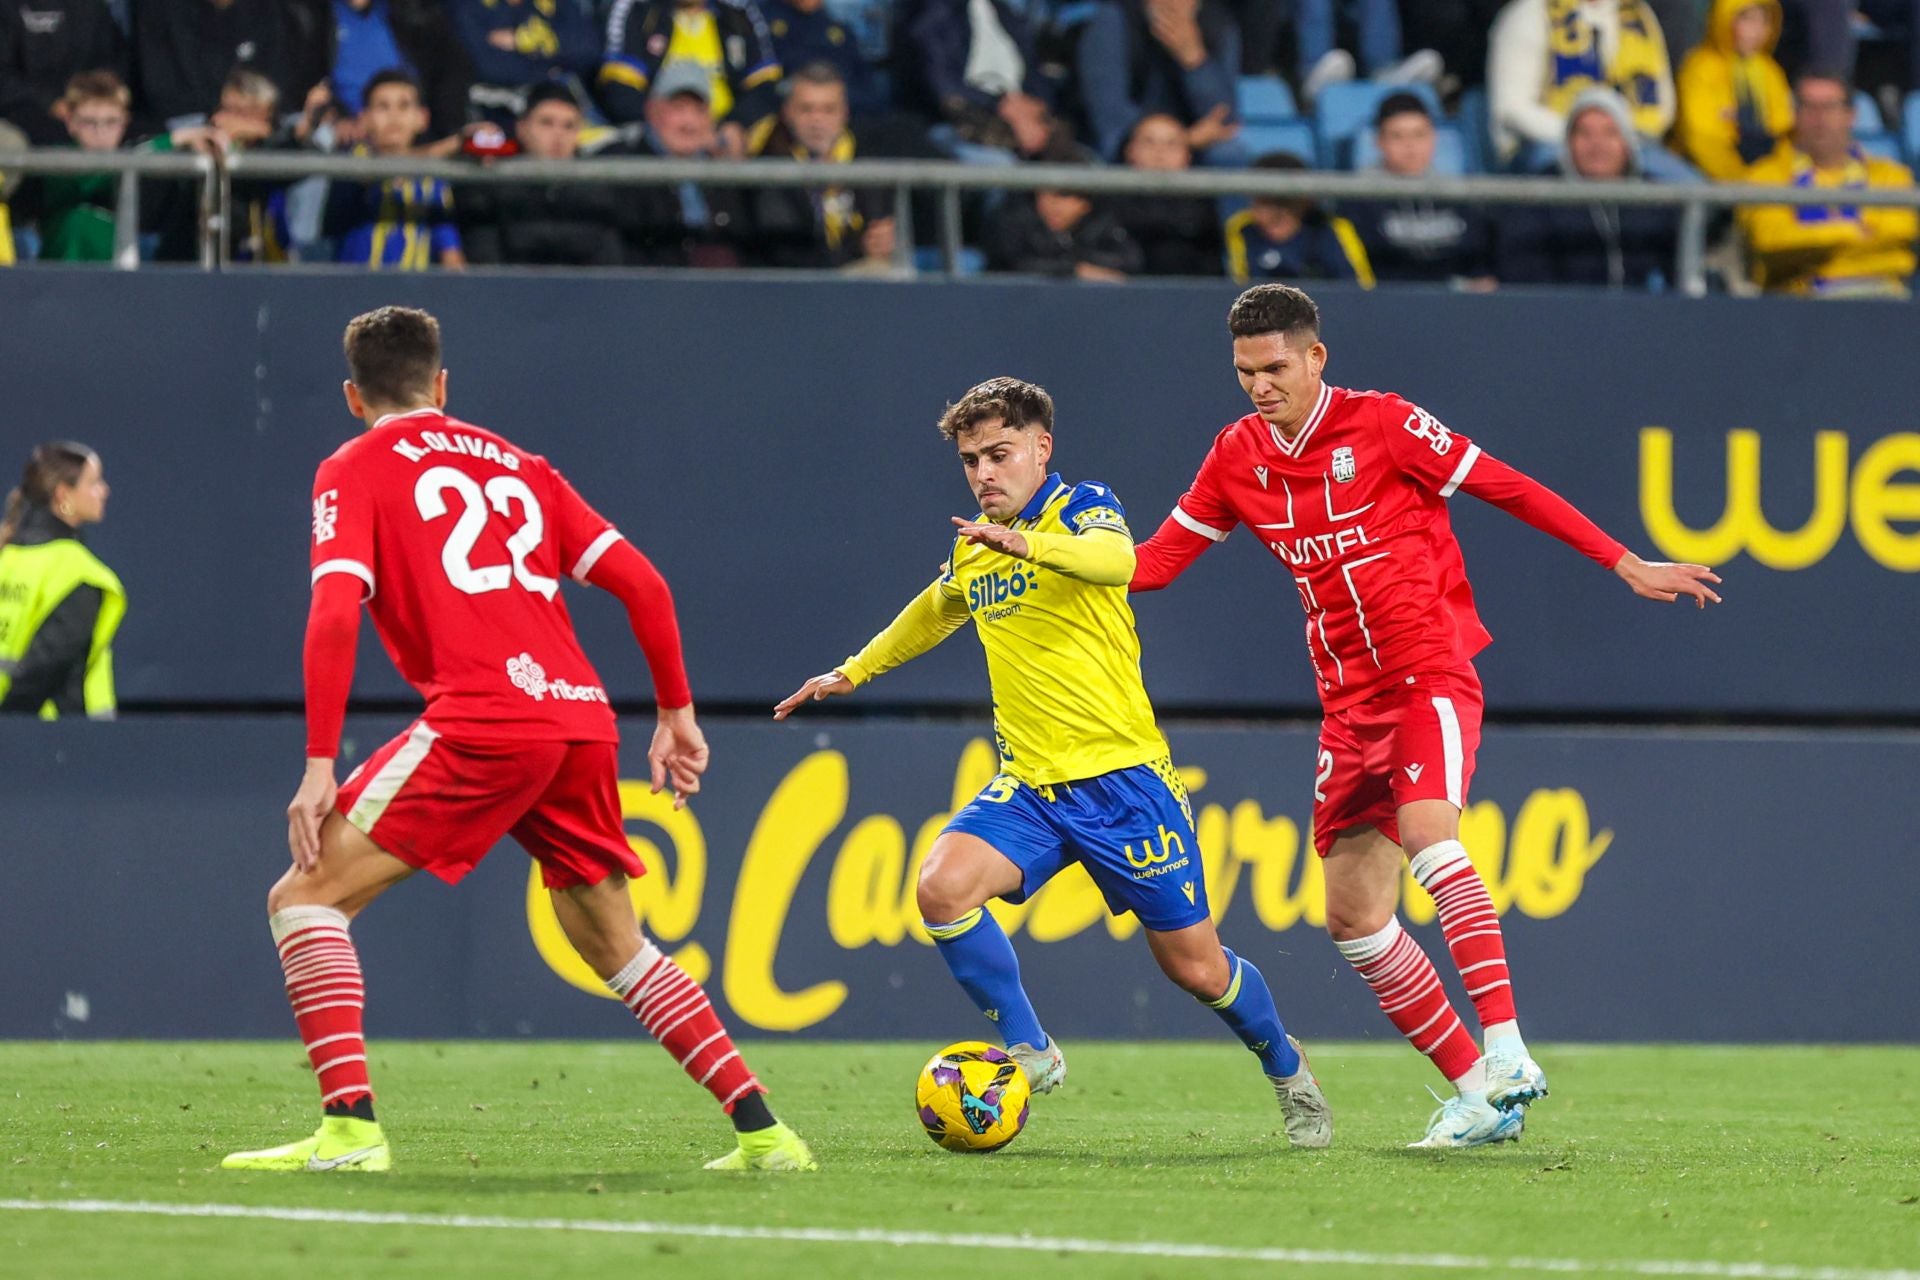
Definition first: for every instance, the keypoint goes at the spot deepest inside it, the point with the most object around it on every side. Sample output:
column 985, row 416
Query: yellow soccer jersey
column 1062, row 654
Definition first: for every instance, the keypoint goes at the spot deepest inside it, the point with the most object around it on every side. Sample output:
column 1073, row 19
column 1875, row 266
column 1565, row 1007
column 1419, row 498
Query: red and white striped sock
column 1472, row 927
column 1409, row 991
column 328, row 997
column 677, row 1013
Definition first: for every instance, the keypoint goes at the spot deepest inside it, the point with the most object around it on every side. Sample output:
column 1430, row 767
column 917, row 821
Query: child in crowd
column 402, row 224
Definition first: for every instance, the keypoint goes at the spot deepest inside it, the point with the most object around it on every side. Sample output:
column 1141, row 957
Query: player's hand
column 311, row 805
column 823, row 686
column 678, row 755
column 998, row 536
column 1659, row 580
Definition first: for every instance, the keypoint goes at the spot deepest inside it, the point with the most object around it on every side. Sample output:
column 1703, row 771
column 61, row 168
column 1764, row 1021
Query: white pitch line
column 930, row 1239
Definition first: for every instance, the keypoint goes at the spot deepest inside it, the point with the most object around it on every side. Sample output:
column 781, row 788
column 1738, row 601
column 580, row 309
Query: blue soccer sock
column 981, row 958
column 1247, row 1007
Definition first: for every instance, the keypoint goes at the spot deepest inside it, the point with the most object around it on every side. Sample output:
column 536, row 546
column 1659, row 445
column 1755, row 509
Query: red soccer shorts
column 439, row 805
column 1415, row 740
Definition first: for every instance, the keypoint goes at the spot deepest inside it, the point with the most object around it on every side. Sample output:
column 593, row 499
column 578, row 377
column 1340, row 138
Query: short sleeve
column 1092, row 505
column 1203, row 508
column 342, row 525
column 1424, row 448
column 581, row 534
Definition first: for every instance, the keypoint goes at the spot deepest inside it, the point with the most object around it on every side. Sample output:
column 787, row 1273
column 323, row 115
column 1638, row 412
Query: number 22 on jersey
column 500, row 494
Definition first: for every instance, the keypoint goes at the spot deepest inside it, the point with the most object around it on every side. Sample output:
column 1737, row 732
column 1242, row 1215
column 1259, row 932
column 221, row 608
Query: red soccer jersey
column 461, row 539
column 1355, row 507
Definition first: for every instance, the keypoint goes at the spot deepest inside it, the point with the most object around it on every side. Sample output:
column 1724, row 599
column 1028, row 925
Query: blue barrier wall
column 771, row 443
column 1685, row 886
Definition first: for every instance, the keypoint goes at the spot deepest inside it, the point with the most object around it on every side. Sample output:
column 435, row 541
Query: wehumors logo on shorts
column 530, row 678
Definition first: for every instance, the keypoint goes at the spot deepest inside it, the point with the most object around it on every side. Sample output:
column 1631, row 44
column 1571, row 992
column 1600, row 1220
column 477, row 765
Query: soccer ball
column 973, row 1097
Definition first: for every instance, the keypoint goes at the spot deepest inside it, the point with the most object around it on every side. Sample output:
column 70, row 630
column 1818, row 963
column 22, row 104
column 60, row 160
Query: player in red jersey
column 1347, row 490
column 456, row 540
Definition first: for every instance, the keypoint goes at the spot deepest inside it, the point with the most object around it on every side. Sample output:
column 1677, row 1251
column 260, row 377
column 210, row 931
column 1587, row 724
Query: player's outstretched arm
column 1166, row 555
column 828, row 684
column 929, row 618
column 1663, row 580
column 333, row 637
column 1101, row 556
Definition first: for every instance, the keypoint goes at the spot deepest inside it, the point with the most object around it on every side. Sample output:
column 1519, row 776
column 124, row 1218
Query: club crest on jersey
column 1343, row 468
column 1260, row 474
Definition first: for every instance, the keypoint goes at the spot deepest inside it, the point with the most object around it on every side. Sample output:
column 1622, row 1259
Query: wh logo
column 1260, row 474
column 1415, row 770
column 1343, row 467
column 326, row 516
column 1149, row 855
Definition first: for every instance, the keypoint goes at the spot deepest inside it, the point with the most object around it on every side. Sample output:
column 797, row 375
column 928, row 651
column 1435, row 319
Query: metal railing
column 948, row 179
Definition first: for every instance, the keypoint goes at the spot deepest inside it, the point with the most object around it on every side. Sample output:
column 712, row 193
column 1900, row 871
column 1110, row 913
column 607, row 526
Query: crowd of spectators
column 1579, row 90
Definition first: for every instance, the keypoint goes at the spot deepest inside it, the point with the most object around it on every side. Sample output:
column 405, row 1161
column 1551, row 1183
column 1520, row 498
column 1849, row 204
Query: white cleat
column 1309, row 1119
column 1046, row 1068
column 1514, row 1079
column 1469, row 1120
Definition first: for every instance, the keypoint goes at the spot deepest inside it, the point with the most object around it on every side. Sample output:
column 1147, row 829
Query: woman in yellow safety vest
column 59, row 605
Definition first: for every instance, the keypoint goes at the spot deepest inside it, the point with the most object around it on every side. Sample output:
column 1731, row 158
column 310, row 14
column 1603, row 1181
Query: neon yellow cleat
column 342, row 1144
column 777, row 1150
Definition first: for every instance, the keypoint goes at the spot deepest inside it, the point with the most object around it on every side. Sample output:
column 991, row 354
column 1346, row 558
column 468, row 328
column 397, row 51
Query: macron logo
column 1415, row 770
column 1260, row 474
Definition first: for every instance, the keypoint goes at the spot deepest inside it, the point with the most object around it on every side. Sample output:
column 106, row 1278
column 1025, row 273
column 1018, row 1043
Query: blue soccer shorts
column 1132, row 830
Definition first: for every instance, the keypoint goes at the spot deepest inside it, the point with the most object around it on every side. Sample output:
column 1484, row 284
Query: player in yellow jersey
column 1084, row 777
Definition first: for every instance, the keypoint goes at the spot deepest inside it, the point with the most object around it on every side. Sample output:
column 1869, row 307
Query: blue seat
column 1910, row 123
column 1476, row 128
column 1289, row 135
column 1884, row 144
column 1344, row 110
column 1449, row 150
column 1265, row 99
column 1866, row 113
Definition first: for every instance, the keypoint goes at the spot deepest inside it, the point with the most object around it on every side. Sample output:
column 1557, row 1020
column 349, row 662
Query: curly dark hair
column 1275, row 308
column 1018, row 404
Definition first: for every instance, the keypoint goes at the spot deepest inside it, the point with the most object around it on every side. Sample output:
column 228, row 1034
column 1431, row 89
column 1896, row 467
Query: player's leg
column 598, row 920
column 1434, row 748
column 1000, row 845
column 575, row 831
column 1234, row 988
column 309, row 912
column 1363, row 869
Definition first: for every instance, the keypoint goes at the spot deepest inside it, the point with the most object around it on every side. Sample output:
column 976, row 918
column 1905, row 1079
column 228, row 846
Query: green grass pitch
column 1780, row 1163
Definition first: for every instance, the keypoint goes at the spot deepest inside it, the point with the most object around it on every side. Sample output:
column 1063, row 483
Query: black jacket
column 1613, row 246
column 820, row 227
column 535, row 225
column 1423, row 239
column 1017, row 240
column 183, row 50
column 45, row 43
column 425, row 36
column 55, row 663
column 658, row 234
column 1177, row 235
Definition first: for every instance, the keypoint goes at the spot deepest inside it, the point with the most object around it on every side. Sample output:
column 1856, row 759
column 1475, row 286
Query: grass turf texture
column 1795, row 1157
